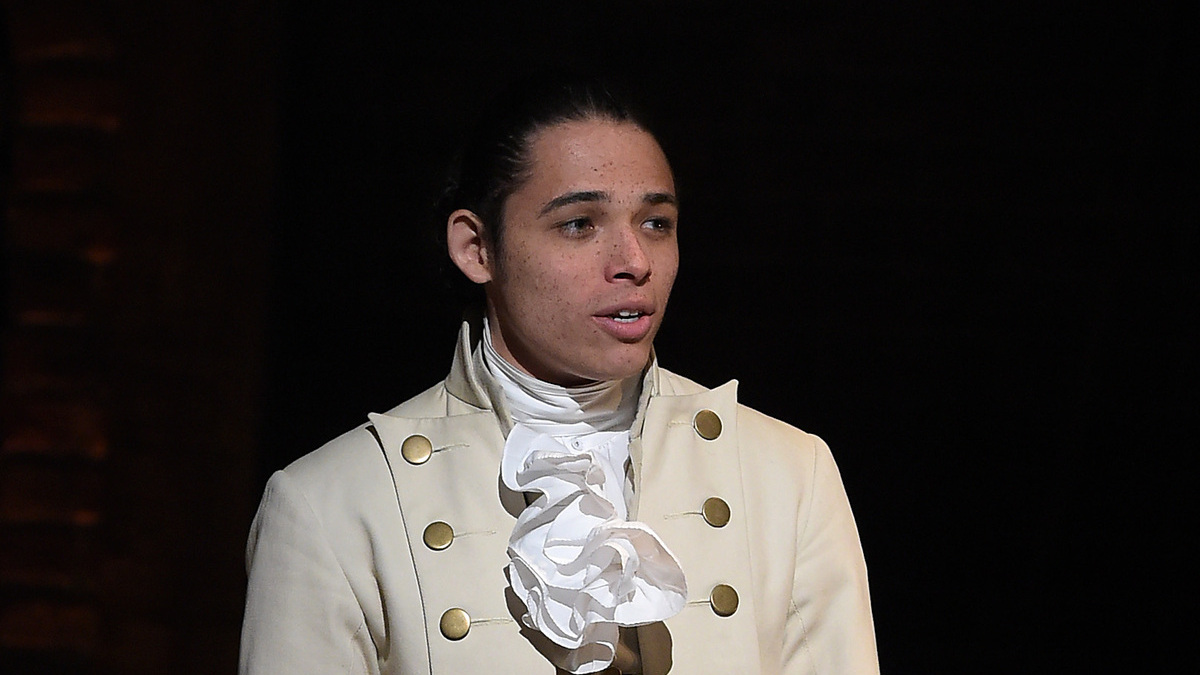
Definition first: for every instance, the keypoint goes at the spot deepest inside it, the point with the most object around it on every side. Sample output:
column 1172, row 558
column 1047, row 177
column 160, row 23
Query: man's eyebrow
column 660, row 198
column 574, row 198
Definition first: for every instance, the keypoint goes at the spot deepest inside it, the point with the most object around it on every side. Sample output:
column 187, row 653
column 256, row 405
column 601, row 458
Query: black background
column 956, row 241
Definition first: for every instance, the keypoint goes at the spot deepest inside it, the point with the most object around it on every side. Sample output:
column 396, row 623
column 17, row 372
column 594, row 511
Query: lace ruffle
column 581, row 569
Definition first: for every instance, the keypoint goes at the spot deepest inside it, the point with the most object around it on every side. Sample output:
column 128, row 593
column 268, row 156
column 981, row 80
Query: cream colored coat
column 341, row 581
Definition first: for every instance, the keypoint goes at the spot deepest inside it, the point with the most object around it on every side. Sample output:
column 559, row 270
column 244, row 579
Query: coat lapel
column 459, row 485
column 677, row 470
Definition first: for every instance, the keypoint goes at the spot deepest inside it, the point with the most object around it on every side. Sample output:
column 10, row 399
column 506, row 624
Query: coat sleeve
column 829, row 630
column 301, row 613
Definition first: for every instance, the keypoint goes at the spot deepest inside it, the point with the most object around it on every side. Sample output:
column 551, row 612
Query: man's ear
column 467, row 246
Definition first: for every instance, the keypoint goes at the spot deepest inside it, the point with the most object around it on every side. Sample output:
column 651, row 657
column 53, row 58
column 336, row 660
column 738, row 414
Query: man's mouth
column 629, row 321
column 627, row 316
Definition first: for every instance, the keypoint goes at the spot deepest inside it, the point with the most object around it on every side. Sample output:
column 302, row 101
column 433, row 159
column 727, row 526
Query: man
column 561, row 503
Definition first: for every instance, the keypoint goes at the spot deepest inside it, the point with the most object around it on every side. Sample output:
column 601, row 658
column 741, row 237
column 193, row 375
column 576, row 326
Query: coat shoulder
column 358, row 454
column 776, row 433
column 353, row 468
column 350, row 459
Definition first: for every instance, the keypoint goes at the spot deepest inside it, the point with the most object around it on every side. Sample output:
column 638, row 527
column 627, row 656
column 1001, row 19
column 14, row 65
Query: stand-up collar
column 470, row 382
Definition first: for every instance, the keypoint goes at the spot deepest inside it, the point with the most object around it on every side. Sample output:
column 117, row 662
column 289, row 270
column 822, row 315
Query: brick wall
column 136, row 219
column 56, row 447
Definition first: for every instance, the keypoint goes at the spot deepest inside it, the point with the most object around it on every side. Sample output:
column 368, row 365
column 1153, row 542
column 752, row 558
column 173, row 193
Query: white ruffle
column 581, row 569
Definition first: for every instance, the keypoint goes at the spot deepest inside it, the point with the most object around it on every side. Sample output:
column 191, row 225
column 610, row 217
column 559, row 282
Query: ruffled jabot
column 580, row 567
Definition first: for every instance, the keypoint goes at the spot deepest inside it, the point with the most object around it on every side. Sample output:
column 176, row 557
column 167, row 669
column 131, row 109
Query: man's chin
column 631, row 361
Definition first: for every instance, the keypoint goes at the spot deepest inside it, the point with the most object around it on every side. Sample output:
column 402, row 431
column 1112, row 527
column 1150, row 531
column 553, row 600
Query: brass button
column 455, row 624
column 438, row 535
column 724, row 600
column 716, row 512
column 416, row 449
column 707, row 424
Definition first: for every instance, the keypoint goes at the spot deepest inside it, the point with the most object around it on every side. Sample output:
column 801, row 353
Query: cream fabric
column 340, row 581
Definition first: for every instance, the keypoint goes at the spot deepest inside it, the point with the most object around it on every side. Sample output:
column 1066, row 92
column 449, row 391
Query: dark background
column 957, row 241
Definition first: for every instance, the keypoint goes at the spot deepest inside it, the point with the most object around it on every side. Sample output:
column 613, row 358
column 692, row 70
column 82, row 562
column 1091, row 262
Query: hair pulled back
column 495, row 161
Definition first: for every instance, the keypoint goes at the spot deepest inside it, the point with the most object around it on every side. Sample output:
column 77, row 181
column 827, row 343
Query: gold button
column 455, row 624
column 724, row 600
column 707, row 424
column 438, row 535
column 416, row 449
column 716, row 512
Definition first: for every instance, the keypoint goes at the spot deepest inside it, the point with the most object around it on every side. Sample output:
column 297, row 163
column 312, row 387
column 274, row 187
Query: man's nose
column 629, row 259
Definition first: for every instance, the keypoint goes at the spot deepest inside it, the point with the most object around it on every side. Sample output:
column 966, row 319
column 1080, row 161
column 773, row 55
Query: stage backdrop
column 953, row 240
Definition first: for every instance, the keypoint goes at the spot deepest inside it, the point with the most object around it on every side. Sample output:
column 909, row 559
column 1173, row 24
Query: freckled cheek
column 547, row 301
column 669, row 279
column 562, row 307
column 666, row 268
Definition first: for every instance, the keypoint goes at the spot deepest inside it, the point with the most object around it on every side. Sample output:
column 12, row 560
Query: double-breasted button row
column 723, row 598
column 438, row 535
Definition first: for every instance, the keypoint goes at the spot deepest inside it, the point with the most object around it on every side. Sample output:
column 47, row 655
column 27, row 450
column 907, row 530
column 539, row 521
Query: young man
column 559, row 502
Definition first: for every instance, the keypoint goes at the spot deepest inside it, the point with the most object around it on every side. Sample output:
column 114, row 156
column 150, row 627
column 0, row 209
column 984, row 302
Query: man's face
column 588, row 256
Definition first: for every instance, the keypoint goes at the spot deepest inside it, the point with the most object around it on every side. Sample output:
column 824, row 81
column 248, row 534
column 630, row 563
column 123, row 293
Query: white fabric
column 579, row 566
column 562, row 412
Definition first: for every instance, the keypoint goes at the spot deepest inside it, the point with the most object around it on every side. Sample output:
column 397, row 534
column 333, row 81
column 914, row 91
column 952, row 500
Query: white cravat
column 579, row 566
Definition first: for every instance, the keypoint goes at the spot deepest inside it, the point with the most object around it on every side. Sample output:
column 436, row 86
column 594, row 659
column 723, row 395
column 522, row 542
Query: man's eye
column 659, row 224
column 576, row 226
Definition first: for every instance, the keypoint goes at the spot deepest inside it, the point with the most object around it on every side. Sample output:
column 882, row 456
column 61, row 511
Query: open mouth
column 630, row 323
column 627, row 316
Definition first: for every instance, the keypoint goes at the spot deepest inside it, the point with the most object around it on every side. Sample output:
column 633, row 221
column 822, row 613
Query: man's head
column 572, row 235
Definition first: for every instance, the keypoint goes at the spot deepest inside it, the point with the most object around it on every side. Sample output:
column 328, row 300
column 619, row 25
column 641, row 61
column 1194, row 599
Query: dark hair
column 495, row 161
